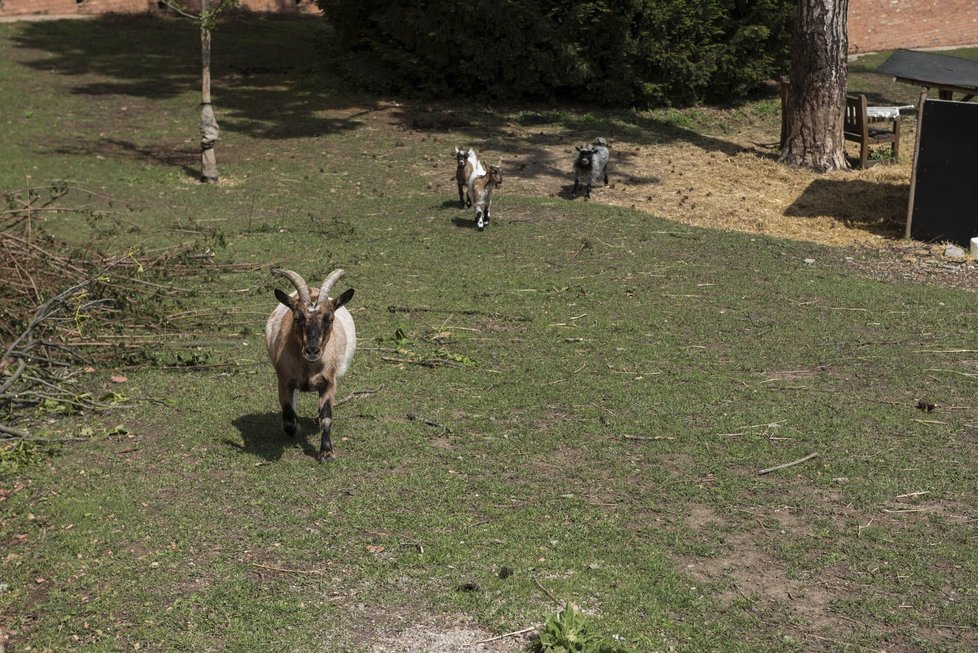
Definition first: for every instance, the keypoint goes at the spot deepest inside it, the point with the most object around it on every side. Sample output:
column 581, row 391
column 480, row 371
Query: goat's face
column 585, row 155
column 496, row 175
column 461, row 156
column 313, row 323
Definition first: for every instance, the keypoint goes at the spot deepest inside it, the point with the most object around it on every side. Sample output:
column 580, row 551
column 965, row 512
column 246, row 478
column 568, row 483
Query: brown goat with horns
column 311, row 340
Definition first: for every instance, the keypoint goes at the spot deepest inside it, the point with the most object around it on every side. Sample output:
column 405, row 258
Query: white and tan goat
column 466, row 164
column 480, row 190
column 311, row 340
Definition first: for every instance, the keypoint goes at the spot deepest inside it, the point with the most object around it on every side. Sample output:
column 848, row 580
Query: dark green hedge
column 625, row 53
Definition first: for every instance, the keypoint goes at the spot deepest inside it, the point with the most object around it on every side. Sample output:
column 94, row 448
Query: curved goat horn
column 333, row 277
column 297, row 281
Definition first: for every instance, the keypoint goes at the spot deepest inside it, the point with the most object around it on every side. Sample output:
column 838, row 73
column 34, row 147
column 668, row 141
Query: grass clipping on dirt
column 722, row 176
column 748, row 190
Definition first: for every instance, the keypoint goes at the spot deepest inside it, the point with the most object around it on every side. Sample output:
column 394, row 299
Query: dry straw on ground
column 739, row 185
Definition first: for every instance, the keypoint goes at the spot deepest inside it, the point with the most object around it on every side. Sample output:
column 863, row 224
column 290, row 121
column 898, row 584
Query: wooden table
column 949, row 75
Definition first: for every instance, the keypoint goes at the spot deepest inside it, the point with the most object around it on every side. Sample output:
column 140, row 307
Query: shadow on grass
column 467, row 222
column 531, row 155
column 272, row 80
column 262, row 436
column 875, row 206
column 187, row 160
column 270, row 74
column 566, row 192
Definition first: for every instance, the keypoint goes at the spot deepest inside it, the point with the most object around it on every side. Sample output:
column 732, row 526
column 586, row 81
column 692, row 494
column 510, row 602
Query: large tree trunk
column 817, row 95
column 209, row 130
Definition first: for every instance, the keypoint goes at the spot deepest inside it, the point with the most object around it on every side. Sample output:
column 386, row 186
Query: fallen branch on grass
column 16, row 433
column 66, row 306
column 427, row 309
column 427, row 422
column 413, row 544
column 912, row 494
column 547, row 592
column 791, row 464
column 358, row 395
column 315, row 572
column 642, row 437
column 497, row 637
column 936, row 369
column 423, row 362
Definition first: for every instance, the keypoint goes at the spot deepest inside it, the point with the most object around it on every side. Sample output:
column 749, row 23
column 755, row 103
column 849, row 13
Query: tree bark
column 209, row 129
column 817, row 95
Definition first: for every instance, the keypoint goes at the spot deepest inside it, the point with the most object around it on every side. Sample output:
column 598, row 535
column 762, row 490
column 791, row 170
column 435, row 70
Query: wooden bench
column 870, row 126
column 858, row 118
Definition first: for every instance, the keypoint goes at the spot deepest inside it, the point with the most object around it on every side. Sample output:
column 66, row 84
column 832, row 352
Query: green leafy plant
column 880, row 154
column 400, row 337
column 17, row 454
column 438, row 357
column 570, row 632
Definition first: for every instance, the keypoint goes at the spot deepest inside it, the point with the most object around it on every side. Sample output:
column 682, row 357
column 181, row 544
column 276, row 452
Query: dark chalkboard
column 945, row 191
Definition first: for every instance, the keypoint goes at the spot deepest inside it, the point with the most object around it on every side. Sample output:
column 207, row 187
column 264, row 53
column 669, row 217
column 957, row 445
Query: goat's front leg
column 326, row 424
column 587, row 192
column 461, row 197
column 576, row 186
column 286, row 399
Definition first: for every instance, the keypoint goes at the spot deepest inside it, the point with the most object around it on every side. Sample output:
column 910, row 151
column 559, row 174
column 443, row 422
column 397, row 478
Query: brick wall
column 888, row 24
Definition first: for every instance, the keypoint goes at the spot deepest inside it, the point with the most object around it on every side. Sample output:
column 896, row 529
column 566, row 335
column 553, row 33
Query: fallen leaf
column 375, row 548
column 119, row 379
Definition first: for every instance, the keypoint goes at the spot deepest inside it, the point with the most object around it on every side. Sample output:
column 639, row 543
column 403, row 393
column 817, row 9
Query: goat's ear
column 284, row 299
column 577, row 148
column 344, row 298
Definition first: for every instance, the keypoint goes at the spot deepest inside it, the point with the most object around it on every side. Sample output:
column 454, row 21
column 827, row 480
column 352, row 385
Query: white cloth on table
column 885, row 113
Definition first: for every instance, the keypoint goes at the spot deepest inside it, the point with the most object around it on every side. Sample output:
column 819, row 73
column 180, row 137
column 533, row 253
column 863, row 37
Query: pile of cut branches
column 66, row 310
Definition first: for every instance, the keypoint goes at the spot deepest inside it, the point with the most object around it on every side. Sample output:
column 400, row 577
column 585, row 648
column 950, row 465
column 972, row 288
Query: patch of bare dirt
column 754, row 576
column 916, row 263
column 443, row 634
column 744, row 571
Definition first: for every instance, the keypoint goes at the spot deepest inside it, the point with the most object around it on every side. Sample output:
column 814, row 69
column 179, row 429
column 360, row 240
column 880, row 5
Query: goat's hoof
column 291, row 430
column 325, row 456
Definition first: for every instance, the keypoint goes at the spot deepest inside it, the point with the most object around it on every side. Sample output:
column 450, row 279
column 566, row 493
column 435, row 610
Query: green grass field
column 582, row 394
